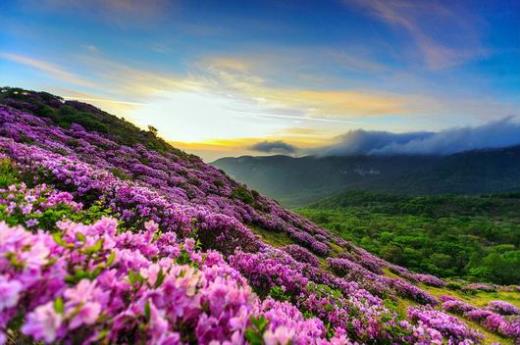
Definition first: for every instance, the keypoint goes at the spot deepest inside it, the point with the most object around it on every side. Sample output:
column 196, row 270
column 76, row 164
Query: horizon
column 306, row 75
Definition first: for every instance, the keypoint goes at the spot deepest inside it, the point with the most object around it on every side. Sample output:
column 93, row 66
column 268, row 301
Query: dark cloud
column 277, row 146
column 496, row 134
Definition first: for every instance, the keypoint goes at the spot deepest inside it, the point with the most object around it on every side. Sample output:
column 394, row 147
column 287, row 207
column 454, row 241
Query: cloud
column 111, row 10
column 239, row 78
column 48, row 68
column 496, row 134
column 366, row 142
column 445, row 36
column 135, row 83
column 277, row 146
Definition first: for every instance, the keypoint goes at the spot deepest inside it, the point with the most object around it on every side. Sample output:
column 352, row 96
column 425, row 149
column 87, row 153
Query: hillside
column 296, row 182
column 476, row 237
column 111, row 236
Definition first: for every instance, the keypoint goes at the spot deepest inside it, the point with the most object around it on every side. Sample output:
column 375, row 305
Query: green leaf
column 134, row 277
column 80, row 237
column 81, row 274
column 160, row 278
column 259, row 322
column 57, row 238
column 111, row 258
column 253, row 337
column 147, row 311
column 59, row 306
column 96, row 247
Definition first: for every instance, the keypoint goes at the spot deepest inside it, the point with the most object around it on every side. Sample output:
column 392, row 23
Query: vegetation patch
column 475, row 238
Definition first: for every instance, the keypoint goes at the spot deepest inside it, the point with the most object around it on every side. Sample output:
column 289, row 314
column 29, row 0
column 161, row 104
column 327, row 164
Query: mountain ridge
column 297, row 181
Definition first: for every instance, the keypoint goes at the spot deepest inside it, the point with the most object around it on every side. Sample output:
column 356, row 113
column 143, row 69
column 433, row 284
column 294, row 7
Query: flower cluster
column 455, row 330
column 498, row 316
column 301, row 254
column 429, row 279
column 93, row 284
column 495, row 322
column 503, row 308
column 18, row 203
column 456, row 306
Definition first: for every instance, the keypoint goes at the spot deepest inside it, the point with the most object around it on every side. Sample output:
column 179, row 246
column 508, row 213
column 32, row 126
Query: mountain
column 299, row 181
column 109, row 235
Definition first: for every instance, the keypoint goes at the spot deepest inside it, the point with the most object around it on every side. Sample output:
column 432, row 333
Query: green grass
column 276, row 239
column 8, row 175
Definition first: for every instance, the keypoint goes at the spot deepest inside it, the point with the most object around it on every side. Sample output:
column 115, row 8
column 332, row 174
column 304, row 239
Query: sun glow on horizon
column 202, row 117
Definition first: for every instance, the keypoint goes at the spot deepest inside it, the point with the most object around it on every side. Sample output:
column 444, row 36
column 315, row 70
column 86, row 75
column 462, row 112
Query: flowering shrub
column 42, row 206
column 301, row 254
column 92, row 284
column 456, row 331
column 503, row 308
column 456, row 306
column 411, row 291
column 428, row 279
column 495, row 322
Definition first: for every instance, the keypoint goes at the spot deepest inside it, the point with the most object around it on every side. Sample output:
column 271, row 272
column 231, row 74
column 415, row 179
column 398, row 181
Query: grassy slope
column 401, row 305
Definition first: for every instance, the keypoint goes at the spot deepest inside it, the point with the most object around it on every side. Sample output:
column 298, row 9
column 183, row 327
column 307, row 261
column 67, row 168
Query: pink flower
column 36, row 256
column 82, row 304
column 281, row 336
column 9, row 292
column 81, row 292
column 87, row 315
column 43, row 323
column 150, row 273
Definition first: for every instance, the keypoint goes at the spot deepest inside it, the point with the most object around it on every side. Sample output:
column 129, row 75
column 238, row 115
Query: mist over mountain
column 297, row 181
column 495, row 134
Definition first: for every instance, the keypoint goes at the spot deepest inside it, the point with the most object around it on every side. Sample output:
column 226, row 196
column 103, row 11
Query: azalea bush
column 91, row 283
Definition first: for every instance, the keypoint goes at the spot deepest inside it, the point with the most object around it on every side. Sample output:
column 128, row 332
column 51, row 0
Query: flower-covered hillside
column 109, row 235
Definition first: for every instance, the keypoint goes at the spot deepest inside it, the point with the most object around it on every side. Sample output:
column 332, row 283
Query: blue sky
column 216, row 77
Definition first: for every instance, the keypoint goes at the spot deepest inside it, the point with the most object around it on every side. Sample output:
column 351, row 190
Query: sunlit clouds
column 220, row 79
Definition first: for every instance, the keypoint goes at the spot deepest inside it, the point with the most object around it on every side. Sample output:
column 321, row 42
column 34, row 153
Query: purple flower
column 43, row 323
column 9, row 292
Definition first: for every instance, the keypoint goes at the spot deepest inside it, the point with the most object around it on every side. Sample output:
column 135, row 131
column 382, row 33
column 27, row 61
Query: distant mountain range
column 298, row 181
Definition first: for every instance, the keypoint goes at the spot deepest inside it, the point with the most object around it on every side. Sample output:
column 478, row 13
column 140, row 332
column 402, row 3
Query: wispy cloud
column 444, row 36
column 48, row 68
column 237, row 77
column 134, row 83
column 111, row 10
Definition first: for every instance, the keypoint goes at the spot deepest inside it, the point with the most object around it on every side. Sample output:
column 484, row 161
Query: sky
column 227, row 78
